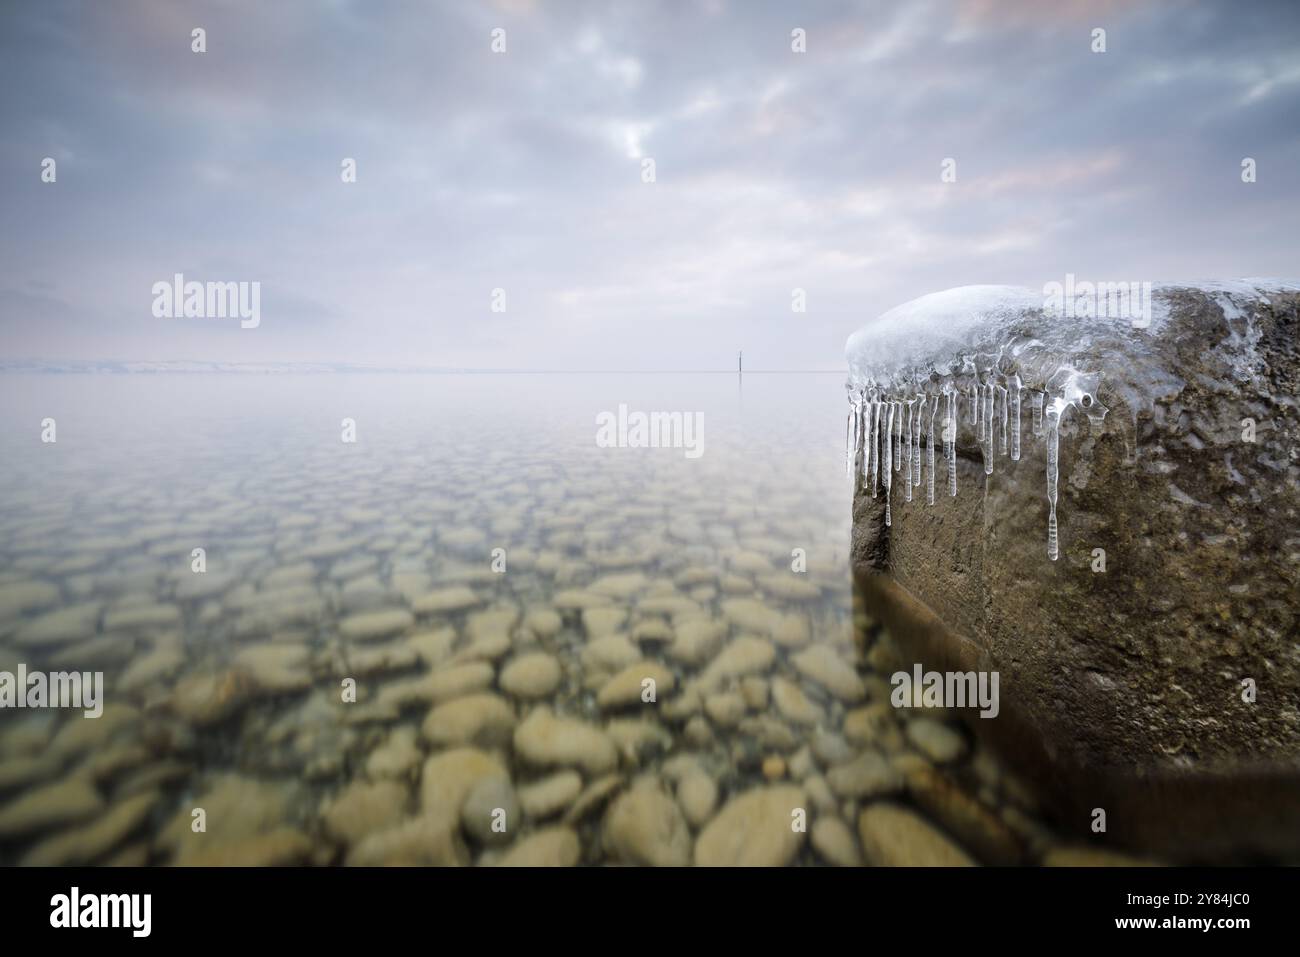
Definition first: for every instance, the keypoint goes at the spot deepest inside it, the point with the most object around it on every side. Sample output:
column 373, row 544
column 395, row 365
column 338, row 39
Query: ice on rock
column 1015, row 417
column 864, row 437
column 907, row 471
column 949, row 439
column 1003, row 416
column 990, row 346
column 896, row 434
column 1053, row 454
column 929, row 463
column 889, row 451
column 938, row 326
column 875, row 440
column 916, row 441
column 986, row 429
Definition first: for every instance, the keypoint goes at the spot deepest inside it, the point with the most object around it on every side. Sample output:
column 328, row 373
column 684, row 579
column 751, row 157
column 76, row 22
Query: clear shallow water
column 496, row 589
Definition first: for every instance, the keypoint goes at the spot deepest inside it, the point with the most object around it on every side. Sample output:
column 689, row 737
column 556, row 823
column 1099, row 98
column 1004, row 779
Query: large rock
column 1124, row 656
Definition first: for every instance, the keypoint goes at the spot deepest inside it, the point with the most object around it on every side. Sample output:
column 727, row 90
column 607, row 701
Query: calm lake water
column 472, row 635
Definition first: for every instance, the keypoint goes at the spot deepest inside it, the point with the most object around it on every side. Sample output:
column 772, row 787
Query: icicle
column 929, row 456
column 857, row 436
column 986, row 417
column 950, row 442
column 860, row 440
column 879, row 445
column 889, row 435
column 1015, row 418
column 897, row 436
column 1002, row 406
column 916, row 440
column 1053, row 451
column 862, row 435
column 907, row 440
column 975, row 407
column 866, row 443
column 889, row 460
column 1038, row 412
column 848, row 442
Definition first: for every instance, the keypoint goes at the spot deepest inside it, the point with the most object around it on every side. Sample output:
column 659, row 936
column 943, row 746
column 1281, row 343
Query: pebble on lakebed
column 648, row 684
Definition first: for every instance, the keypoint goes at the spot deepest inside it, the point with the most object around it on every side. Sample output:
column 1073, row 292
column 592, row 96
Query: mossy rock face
column 1178, row 577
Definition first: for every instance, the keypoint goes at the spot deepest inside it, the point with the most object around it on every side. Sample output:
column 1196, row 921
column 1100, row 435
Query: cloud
column 522, row 171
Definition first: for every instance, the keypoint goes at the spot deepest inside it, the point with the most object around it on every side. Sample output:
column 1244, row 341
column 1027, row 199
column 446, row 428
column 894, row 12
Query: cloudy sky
column 775, row 170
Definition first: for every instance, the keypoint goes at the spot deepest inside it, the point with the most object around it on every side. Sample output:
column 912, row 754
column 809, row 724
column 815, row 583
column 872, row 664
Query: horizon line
column 203, row 366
